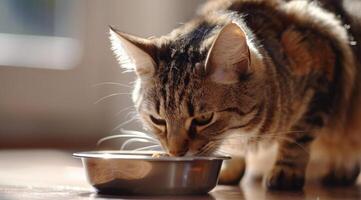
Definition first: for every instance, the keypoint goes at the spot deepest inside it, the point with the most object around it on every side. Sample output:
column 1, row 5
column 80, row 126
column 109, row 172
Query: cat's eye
column 203, row 119
column 157, row 121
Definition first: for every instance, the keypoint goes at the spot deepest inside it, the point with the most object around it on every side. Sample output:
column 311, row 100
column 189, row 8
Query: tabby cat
column 262, row 72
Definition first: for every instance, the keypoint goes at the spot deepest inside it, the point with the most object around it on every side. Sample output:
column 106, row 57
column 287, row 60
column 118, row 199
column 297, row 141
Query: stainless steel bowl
column 139, row 173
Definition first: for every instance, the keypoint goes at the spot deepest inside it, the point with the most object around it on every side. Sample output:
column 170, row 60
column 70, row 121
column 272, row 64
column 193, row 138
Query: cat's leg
column 259, row 161
column 253, row 164
column 289, row 170
column 232, row 171
column 339, row 157
column 342, row 175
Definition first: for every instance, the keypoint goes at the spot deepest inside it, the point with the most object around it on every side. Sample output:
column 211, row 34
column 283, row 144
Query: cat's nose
column 178, row 152
column 177, row 139
column 177, row 146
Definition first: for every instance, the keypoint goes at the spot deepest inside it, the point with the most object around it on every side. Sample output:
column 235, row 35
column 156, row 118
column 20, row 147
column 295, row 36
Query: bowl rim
column 141, row 155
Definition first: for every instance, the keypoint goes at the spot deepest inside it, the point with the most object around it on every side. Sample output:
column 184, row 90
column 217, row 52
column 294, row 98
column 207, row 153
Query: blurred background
column 55, row 63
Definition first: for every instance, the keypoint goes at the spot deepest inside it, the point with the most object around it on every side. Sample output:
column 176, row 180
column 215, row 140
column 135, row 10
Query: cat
column 262, row 72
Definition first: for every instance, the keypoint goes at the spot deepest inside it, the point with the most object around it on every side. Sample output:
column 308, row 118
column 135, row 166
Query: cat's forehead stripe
column 176, row 67
column 157, row 106
column 190, row 108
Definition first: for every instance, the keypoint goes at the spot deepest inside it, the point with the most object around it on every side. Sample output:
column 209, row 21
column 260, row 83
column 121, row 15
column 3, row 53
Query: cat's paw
column 341, row 176
column 285, row 178
column 232, row 171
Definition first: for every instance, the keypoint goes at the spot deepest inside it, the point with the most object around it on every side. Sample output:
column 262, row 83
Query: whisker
column 132, row 82
column 210, row 150
column 294, row 142
column 123, row 136
column 111, row 83
column 261, row 137
column 124, row 109
column 147, row 147
column 132, row 113
column 137, row 140
column 234, row 136
column 206, row 149
column 218, row 152
column 111, row 95
column 124, row 123
column 133, row 132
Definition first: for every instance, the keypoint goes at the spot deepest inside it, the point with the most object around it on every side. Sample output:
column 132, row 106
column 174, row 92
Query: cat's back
column 337, row 22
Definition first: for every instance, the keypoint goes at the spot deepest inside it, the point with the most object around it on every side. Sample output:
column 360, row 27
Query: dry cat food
column 159, row 155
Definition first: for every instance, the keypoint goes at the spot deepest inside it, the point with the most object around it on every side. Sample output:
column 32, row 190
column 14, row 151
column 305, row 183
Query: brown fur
column 297, row 83
column 304, row 58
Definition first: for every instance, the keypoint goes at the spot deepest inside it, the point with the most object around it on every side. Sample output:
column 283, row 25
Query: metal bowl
column 127, row 172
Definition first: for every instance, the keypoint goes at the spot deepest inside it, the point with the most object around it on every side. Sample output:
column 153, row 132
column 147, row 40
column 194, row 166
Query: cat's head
column 194, row 86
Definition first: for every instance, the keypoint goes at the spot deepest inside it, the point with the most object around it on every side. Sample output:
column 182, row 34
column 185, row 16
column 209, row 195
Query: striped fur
column 301, row 86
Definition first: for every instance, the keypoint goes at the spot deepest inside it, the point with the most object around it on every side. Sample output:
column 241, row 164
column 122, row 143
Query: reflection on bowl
column 127, row 172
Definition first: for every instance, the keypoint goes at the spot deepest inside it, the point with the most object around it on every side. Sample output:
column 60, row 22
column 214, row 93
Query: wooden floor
column 54, row 175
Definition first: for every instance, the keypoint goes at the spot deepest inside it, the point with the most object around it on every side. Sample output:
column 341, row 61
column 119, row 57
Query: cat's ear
column 229, row 57
column 133, row 53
